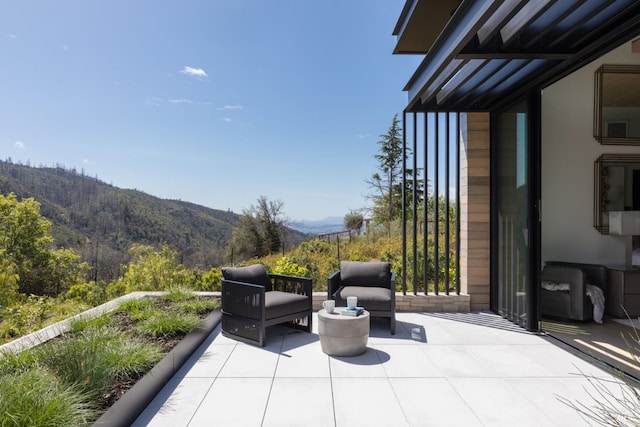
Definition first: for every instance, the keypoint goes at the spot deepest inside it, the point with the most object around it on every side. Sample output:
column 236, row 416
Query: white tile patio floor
column 472, row 369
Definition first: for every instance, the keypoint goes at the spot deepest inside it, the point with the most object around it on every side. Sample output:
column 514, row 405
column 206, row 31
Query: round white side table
column 342, row 335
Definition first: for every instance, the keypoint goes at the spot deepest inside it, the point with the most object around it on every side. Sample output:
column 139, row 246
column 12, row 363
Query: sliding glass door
column 515, row 227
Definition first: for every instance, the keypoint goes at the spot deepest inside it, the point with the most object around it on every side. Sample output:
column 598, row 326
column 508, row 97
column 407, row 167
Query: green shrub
column 96, row 356
column 198, row 307
column 179, row 294
column 168, row 324
column 286, row 267
column 12, row 362
column 83, row 323
column 139, row 308
column 25, row 316
column 35, row 397
column 91, row 293
column 210, row 280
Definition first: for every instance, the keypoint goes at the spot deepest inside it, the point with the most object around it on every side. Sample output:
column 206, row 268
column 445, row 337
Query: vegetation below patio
column 72, row 379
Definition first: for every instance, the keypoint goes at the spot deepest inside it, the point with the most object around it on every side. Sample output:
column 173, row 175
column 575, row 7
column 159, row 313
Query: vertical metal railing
column 458, row 206
column 404, row 204
column 440, row 261
column 447, row 180
column 425, row 198
column 414, row 195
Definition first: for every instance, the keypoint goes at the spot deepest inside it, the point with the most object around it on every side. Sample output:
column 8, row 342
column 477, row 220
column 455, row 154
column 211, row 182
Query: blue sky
column 213, row 102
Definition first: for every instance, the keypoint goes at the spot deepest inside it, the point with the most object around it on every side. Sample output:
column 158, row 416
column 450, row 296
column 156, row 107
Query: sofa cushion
column 371, row 298
column 254, row 274
column 279, row 304
column 373, row 273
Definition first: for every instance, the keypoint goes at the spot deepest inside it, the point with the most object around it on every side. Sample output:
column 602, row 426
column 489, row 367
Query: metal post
column 436, row 204
column 414, row 210
column 403, row 214
column 425, row 243
column 446, row 205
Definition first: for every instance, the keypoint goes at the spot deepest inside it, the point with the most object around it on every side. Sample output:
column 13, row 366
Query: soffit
column 420, row 24
column 492, row 52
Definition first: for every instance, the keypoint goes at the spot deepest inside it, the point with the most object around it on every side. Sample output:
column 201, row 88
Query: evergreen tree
column 387, row 183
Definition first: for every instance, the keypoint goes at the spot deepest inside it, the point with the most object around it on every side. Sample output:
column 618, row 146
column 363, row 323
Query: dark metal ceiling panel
column 463, row 75
column 550, row 22
column 451, row 69
column 609, row 17
column 576, row 19
column 529, row 13
column 502, row 15
column 473, row 84
column 493, row 50
column 462, row 29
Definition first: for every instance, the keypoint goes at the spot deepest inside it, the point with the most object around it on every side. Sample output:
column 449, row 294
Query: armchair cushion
column 255, row 274
column 356, row 273
column 373, row 298
column 279, row 304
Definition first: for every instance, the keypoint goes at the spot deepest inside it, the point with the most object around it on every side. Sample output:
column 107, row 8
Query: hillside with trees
column 101, row 222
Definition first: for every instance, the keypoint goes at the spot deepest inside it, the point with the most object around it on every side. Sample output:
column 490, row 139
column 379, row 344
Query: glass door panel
column 511, row 216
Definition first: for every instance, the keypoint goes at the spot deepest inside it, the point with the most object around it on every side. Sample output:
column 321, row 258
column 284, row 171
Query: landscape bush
column 36, row 397
column 71, row 379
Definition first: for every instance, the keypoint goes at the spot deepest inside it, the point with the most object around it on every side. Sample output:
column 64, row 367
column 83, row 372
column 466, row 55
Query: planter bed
column 128, row 396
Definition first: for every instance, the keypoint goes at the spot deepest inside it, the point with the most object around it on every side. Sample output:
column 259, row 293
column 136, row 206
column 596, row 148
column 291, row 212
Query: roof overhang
column 420, row 24
column 489, row 53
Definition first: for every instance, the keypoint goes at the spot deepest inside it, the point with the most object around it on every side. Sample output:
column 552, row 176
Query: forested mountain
column 101, row 222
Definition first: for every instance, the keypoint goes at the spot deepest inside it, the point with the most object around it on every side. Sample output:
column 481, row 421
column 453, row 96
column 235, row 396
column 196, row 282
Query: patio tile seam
column 333, row 396
column 463, row 401
column 202, row 399
column 273, row 378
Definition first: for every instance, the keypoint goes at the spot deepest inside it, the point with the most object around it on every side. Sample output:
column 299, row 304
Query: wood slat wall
column 474, row 208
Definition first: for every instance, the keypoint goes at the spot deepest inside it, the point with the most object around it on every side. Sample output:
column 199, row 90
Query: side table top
column 338, row 316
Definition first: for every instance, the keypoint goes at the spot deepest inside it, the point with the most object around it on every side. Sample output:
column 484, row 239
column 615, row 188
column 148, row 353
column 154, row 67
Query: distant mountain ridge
column 101, row 222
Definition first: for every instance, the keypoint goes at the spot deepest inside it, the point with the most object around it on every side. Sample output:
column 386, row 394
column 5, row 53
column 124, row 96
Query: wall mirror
column 616, row 187
column 617, row 105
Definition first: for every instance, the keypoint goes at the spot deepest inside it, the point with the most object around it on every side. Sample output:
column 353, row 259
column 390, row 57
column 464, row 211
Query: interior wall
column 569, row 151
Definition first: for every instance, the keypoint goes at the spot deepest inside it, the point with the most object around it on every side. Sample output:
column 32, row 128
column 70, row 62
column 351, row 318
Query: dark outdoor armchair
column 573, row 304
column 372, row 283
column 252, row 300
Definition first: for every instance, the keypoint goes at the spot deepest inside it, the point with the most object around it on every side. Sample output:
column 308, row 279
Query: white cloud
column 87, row 162
column 12, row 36
column 154, row 100
column 231, row 107
column 226, row 119
column 181, row 101
column 19, row 144
column 194, row 72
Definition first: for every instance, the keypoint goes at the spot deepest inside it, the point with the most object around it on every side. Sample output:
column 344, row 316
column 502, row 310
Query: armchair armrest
column 243, row 299
column 333, row 283
column 564, row 274
column 576, row 277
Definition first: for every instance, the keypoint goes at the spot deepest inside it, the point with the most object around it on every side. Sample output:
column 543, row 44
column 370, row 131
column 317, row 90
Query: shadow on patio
column 609, row 343
column 471, row 369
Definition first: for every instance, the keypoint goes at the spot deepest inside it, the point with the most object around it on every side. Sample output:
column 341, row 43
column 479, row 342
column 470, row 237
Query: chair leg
column 393, row 324
column 263, row 334
column 309, row 322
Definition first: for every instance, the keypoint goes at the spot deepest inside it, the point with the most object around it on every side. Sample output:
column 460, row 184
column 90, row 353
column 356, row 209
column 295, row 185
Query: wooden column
column 474, row 208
